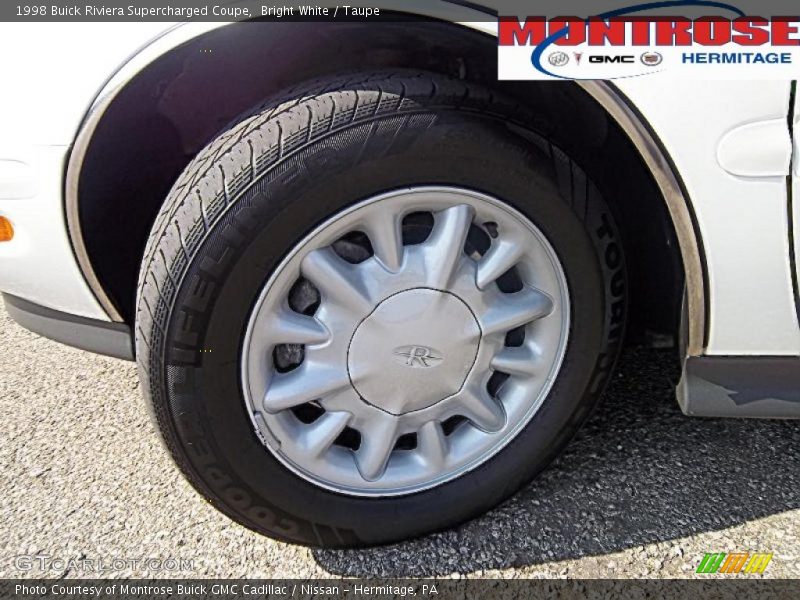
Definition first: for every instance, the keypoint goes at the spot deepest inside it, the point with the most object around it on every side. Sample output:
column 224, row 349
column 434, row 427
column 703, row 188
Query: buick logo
column 417, row 357
column 558, row 59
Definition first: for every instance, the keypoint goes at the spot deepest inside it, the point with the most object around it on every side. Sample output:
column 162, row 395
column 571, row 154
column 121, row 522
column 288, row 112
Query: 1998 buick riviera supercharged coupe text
column 371, row 289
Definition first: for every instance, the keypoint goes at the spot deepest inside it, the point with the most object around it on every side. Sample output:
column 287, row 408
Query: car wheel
column 375, row 308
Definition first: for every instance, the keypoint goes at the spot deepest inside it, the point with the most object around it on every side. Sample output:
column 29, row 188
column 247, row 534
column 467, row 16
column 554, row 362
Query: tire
column 266, row 183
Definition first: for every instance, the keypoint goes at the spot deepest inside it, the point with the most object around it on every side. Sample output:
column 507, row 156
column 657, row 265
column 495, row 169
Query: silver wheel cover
column 404, row 373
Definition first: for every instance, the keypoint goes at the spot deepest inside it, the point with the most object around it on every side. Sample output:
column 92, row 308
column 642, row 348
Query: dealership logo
column 558, row 59
column 731, row 37
column 734, row 562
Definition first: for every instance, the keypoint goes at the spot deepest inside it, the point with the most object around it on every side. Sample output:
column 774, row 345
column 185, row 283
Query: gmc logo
column 618, row 59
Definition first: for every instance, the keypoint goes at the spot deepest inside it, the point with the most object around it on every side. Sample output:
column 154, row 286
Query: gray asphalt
column 641, row 492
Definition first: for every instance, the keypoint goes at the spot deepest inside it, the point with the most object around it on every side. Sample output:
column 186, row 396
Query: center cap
column 415, row 349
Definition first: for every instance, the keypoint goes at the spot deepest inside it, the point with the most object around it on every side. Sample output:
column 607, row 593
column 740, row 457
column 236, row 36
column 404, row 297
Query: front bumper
column 102, row 337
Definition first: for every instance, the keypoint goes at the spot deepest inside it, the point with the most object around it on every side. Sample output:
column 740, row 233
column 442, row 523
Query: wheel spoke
column 445, row 247
column 433, row 445
column 336, row 279
column 323, row 432
column 513, row 310
column 480, row 408
column 376, row 445
column 520, row 361
column 500, row 258
column 383, row 231
column 289, row 327
column 307, row 382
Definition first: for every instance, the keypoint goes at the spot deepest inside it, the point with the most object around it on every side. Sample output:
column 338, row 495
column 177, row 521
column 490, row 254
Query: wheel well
column 175, row 106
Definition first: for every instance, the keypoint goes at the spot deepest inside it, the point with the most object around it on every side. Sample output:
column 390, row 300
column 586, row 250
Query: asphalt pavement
column 642, row 491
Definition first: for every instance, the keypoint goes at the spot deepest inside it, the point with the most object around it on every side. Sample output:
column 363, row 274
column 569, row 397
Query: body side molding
column 101, row 337
column 741, row 386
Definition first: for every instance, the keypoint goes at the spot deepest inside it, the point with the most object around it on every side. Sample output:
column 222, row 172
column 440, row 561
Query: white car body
column 729, row 141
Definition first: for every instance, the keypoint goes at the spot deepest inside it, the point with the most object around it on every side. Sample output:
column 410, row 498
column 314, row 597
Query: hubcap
column 405, row 341
column 415, row 349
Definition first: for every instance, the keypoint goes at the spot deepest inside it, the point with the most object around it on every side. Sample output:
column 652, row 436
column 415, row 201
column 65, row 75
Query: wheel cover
column 422, row 353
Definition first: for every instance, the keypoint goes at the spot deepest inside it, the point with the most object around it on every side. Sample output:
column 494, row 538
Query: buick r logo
column 417, row 357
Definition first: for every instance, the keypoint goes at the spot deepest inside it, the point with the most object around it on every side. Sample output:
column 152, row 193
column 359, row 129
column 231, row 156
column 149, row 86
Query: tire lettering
column 613, row 256
column 605, row 230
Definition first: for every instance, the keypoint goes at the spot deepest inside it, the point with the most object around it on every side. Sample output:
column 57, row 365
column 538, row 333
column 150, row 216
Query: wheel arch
column 152, row 103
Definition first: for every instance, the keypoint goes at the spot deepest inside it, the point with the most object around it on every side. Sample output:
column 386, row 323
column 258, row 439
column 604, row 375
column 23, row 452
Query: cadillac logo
column 651, row 59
